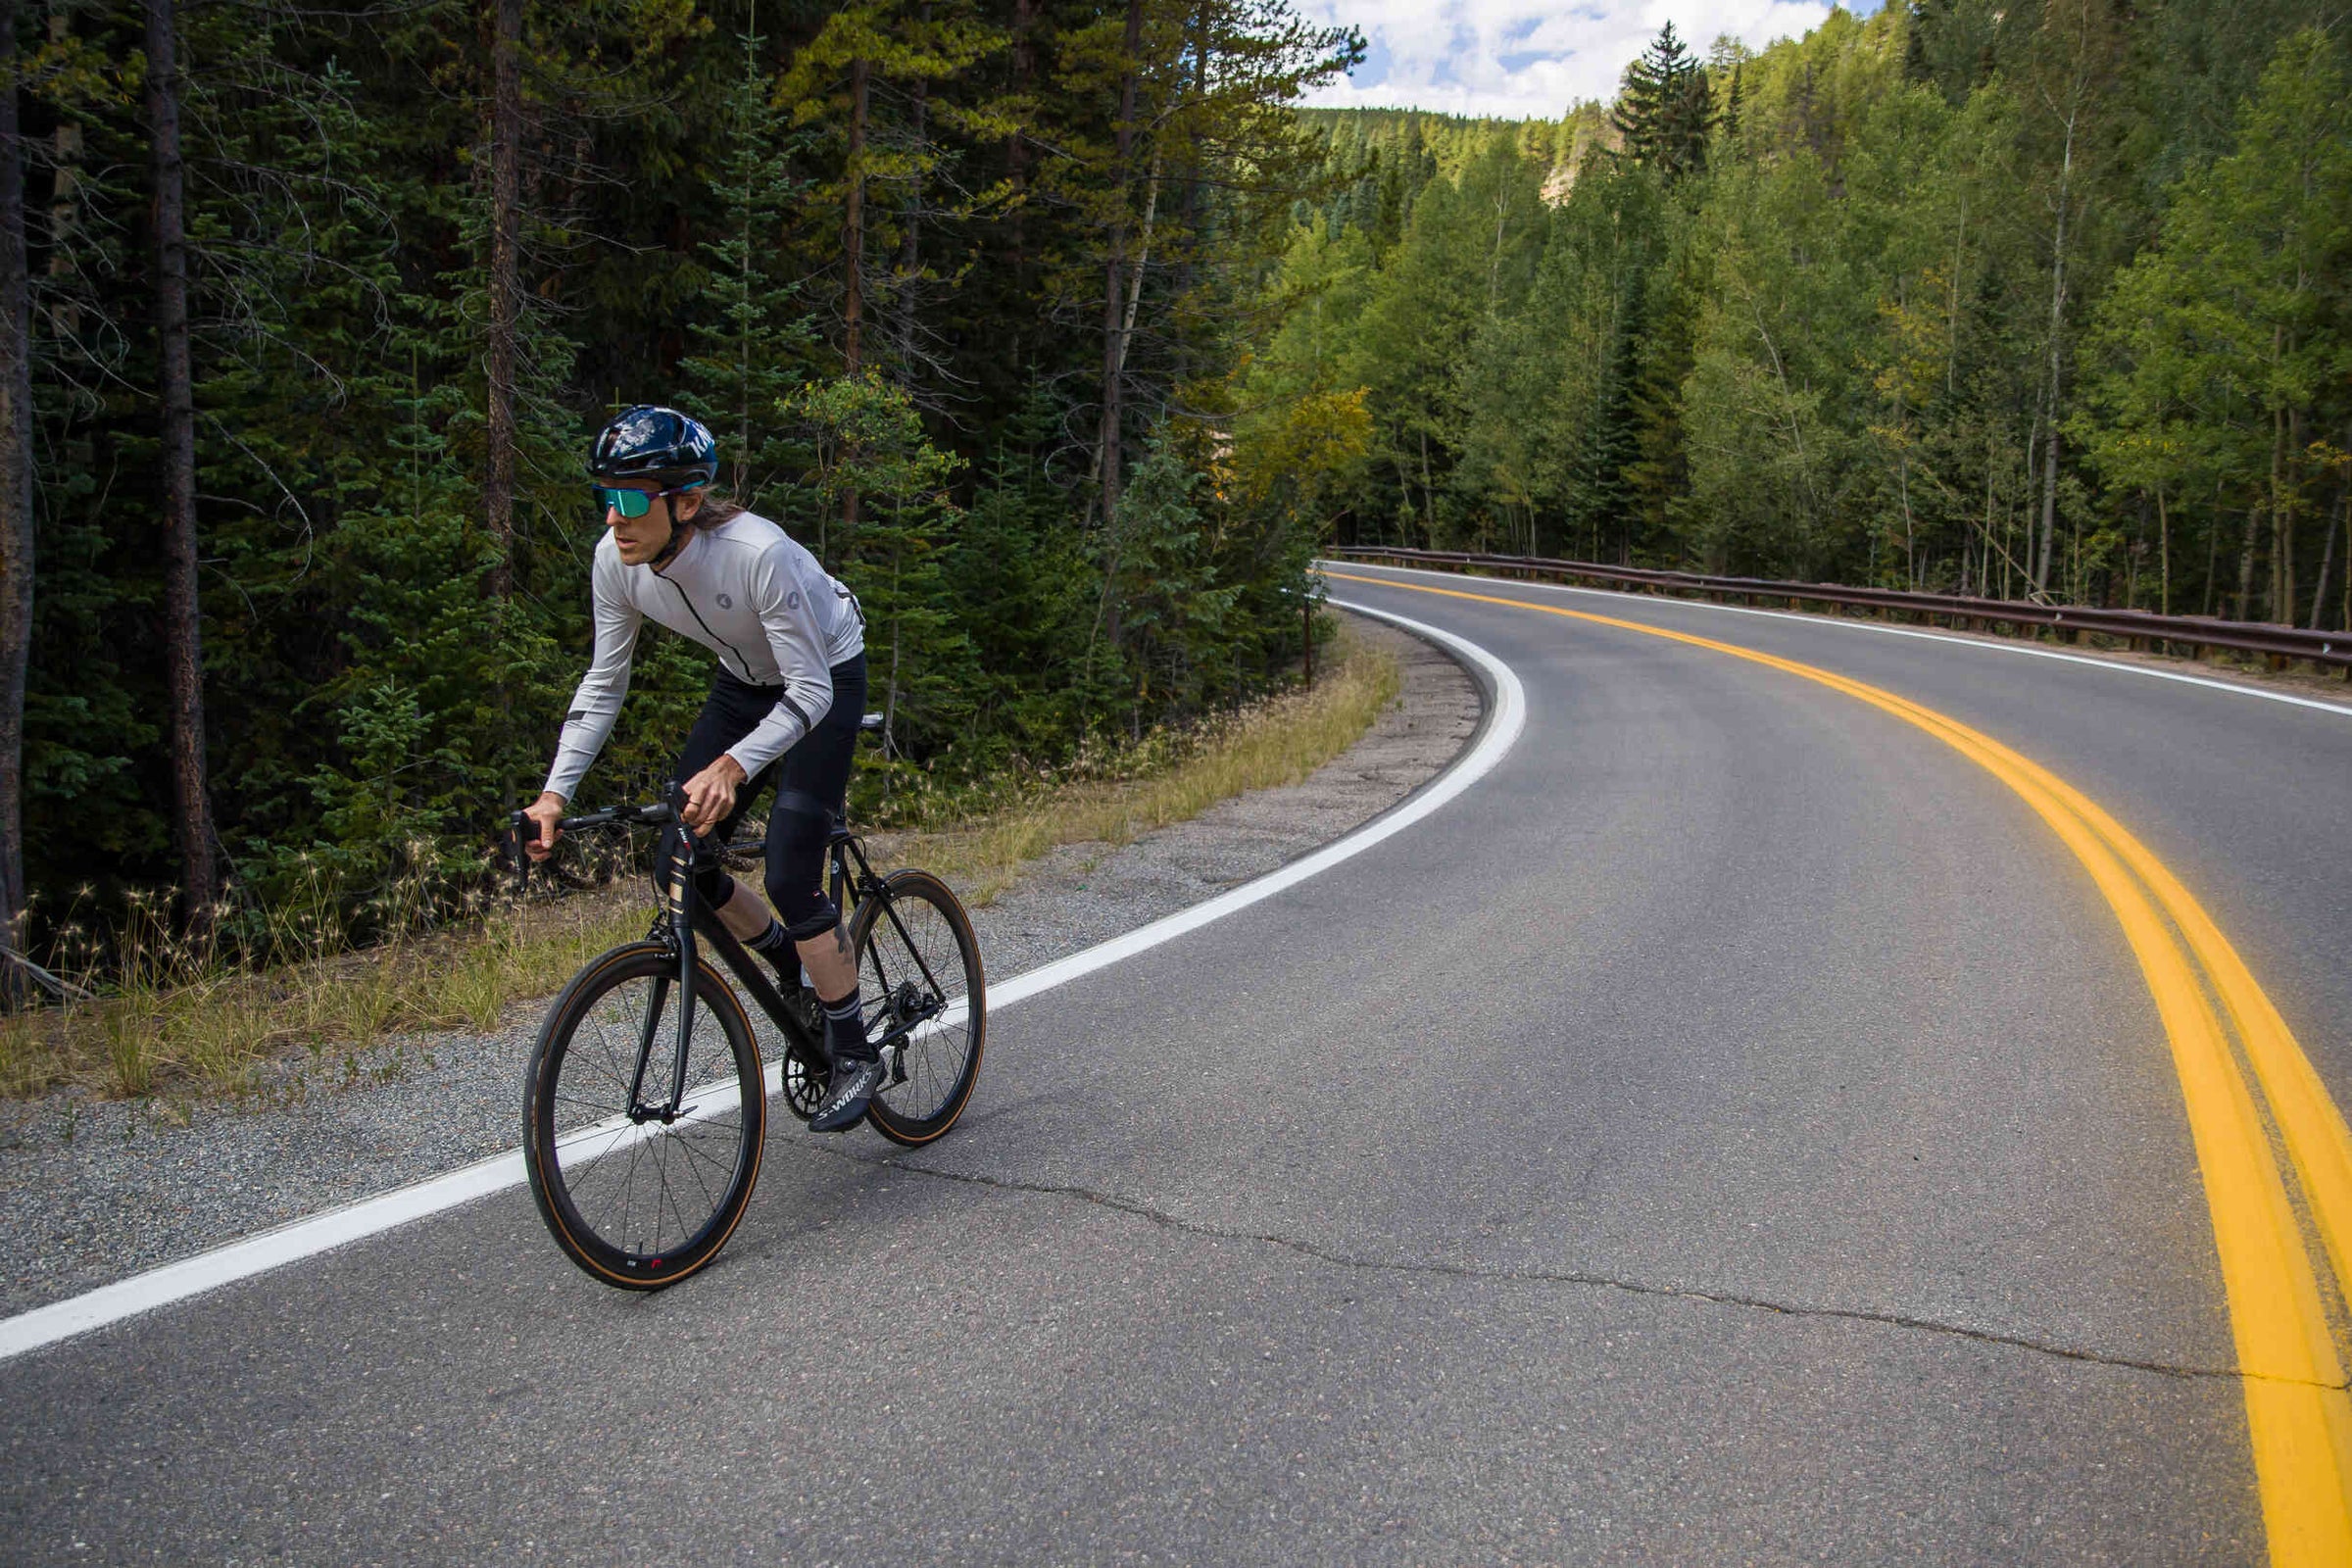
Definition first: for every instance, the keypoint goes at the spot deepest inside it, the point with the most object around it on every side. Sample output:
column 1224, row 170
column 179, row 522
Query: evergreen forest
column 1065, row 337
column 314, row 310
column 2046, row 298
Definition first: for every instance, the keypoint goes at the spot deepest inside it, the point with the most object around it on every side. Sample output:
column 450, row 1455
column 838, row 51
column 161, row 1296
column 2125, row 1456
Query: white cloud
column 1523, row 59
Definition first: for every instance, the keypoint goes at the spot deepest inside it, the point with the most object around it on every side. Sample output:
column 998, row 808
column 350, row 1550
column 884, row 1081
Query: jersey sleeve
column 588, row 723
column 788, row 618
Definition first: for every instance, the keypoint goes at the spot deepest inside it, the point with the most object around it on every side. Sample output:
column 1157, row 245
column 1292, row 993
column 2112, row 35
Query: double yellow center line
column 2297, row 1412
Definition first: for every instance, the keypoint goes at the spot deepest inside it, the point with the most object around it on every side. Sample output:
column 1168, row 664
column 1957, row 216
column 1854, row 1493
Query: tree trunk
column 2213, row 550
column 2049, row 481
column 906, row 300
column 911, row 253
column 1910, row 529
column 183, row 642
column 505, row 312
column 2245, row 563
column 1951, row 331
column 1114, row 269
column 2319, row 595
column 65, row 317
column 2287, row 436
column 852, row 261
column 16, row 497
column 1143, row 260
column 852, row 223
column 1429, row 498
column 1016, row 150
column 1194, row 239
column 2164, row 553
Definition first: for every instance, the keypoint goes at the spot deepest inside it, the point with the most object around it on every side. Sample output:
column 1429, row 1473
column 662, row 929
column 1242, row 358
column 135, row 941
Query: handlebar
column 654, row 814
column 521, row 828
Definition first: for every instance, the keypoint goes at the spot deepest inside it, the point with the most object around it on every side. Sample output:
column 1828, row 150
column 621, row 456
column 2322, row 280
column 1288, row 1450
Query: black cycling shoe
column 847, row 1095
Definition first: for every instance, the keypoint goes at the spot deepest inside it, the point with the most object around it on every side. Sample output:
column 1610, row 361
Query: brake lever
column 515, row 857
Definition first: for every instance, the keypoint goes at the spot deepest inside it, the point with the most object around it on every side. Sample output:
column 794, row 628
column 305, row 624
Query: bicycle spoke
column 646, row 1200
column 915, row 951
column 686, row 1148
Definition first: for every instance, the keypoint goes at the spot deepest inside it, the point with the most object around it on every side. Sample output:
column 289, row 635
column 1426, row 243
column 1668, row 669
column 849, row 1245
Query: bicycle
column 640, row 1161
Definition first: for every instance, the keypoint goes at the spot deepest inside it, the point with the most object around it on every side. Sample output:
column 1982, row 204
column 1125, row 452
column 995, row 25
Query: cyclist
column 784, row 703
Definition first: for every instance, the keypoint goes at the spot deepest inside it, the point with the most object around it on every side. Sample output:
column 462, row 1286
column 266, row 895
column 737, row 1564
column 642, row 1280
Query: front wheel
column 642, row 1161
column 919, row 963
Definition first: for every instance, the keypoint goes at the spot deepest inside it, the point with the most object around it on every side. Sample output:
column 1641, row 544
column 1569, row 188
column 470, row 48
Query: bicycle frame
column 685, row 924
column 849, row 889
column 867, row 885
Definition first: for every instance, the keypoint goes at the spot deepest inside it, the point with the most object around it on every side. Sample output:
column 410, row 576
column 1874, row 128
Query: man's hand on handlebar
column 544, row 813
column 710, row 794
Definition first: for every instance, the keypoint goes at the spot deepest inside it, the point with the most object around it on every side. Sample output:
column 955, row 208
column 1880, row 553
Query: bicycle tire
column 943, row 997
column 577, row 1130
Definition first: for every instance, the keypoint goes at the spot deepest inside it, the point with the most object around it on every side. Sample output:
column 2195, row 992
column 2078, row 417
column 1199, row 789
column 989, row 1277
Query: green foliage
column 1164, row 593
column 758, row 343
column 383, row 685
column 2224, row 348
column 870, row 443
column 1945, row 272
column 1027, row 591
column 1666, row 108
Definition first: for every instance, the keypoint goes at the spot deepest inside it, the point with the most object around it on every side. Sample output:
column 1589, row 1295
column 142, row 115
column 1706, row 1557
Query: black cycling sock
column 844, row 1030
column 778, row 950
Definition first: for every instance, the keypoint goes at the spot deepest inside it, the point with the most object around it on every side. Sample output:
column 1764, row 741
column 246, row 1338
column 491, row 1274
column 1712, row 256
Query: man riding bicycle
column 785, row 705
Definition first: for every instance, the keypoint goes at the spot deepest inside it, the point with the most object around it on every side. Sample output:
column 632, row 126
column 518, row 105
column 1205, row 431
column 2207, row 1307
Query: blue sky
column 1526, row 58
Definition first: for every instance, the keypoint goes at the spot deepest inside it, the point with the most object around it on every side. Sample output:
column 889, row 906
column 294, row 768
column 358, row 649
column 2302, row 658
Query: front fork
column 678, row 894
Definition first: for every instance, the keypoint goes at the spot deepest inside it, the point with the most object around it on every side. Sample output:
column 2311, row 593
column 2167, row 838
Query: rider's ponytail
column 717, row 509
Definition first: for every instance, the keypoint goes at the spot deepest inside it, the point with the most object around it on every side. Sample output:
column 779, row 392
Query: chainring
column 804, row 1083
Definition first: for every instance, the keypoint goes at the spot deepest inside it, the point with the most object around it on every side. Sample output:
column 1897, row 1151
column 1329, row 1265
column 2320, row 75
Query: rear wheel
column 918, row 965
column 636, row 1193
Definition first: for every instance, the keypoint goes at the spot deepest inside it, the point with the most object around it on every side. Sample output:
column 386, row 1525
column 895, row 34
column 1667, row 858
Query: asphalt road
column 1735, row 1130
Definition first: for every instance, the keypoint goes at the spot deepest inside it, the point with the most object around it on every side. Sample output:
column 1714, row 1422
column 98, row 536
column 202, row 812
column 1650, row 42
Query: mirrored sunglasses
column 628, row 502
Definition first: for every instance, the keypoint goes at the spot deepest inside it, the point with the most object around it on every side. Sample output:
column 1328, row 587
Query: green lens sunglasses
column 633, row 503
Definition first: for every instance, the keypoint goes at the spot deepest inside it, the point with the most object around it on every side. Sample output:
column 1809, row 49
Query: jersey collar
column 681, row 540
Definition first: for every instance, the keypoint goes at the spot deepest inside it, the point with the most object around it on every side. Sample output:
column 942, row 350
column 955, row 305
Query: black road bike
column 646, row 1104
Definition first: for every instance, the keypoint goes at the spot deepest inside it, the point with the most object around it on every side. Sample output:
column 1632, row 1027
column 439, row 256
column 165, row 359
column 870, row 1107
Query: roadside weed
column 190, row 1015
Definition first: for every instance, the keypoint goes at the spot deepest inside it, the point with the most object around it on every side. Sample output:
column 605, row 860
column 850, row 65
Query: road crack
column 1574, row 1278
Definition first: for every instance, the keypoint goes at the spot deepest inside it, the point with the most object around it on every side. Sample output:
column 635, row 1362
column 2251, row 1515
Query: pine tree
column 872, row 443
column 1666, row 108
column 757, row 344
column 1602, row 499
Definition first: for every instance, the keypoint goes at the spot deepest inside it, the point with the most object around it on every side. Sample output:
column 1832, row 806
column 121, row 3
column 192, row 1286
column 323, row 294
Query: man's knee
column 796, row 866
column 801, row 903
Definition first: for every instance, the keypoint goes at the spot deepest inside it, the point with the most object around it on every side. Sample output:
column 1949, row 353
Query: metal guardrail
column 2142, row 630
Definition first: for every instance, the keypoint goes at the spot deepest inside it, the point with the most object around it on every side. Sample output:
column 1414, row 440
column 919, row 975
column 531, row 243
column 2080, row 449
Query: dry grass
column 186, row 1021
column 1277, row 742
column 174, row 1022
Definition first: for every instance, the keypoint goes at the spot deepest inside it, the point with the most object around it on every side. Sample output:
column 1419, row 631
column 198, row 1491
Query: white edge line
column 1884, row 630
column 370, row 1216
column 1508, row 719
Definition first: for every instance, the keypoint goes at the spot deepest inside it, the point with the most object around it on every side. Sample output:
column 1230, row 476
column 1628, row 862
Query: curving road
column 1736, row 1129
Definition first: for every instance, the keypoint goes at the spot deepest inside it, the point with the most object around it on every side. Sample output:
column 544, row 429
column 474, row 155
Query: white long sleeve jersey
column 749, row 594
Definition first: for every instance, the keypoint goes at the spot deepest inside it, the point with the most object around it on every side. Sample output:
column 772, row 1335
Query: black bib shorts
column 812, row 782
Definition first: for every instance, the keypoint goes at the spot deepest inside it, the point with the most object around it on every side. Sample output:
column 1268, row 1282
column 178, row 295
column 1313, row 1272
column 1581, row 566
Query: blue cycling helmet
column 653, row 442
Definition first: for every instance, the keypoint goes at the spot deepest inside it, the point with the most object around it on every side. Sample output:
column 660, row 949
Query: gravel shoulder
column 96, row 1190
